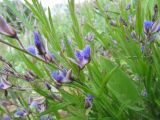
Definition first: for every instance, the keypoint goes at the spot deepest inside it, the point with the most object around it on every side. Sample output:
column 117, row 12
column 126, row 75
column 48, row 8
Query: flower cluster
column 149, row 29
column 82, row 58
column 39, row 49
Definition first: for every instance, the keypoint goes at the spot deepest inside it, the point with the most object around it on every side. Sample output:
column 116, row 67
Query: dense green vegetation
column 94, row 61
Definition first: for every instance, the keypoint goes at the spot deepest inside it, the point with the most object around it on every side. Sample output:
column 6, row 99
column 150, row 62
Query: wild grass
column 107, row 56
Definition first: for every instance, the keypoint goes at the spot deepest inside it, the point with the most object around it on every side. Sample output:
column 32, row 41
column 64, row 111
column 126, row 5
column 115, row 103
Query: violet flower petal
column 147, row 25
column 38, row 43
column 86, row 52
column 31, row 49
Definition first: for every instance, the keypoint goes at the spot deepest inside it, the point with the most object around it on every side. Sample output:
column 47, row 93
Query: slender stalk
column 20, row 43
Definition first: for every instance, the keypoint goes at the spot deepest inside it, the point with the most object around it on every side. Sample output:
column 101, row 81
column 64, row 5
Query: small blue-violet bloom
column 47, row 85
column 5, row 85
column 20, row 113
column 31, row 49
column 38, row 103
column 130, row 17
column 39, row 44
column 63, row 76
column 34, row 104
column 46, row 117
column 6, row 118
column 147, row 26
column 142, row 48
column 88, row 101
column 83, row 56
column 144, row 93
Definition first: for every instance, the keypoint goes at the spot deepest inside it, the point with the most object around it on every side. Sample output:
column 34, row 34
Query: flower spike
column 39, row 44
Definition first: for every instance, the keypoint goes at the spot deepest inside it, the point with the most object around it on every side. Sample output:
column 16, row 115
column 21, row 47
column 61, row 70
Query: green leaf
column 139, row 17
column 121, row 84
column 75, row 27
column 32, row 66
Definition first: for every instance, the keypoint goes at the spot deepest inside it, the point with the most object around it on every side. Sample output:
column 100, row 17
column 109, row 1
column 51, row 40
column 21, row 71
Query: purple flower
column 46, row 117
column 31, row 49
column 62, row 76
column 142, row 48
column 83, row 56
column 144, row 93
column 5, row 85
column 88, row 101
column 86, row 52
column 89, row 98
column 89, row 37
column 49, row 57
column 38, row 103
column 34, row 104
column 128, row 6
column 130, row 18
column 47, row 85
column 6, row 118
column 147, row 26
column 154, row 26
column 20, row 113
column 39, row 44
column 6, row 29
column 133, row 35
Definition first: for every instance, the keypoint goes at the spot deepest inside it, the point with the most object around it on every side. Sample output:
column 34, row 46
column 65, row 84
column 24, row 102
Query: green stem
column 20, row 42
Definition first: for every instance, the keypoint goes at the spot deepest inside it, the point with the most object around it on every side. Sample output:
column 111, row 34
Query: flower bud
column 6, row 29
column 88, row 101
column 31, row 49
column 5, row 85
column 20, row 113
column 47, row 85
column 39, row 44
column 6, row 118
column 62, row 76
